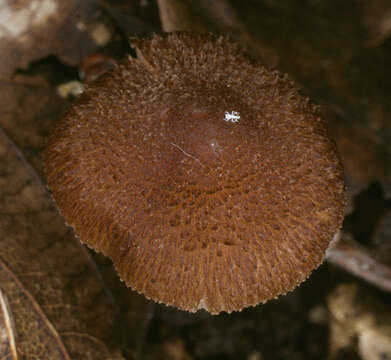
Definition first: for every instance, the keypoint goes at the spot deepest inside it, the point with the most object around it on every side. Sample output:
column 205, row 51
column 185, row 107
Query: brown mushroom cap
column 206, row 178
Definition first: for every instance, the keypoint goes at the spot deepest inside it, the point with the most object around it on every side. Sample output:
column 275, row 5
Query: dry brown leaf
column 320, row 44
column 30, row 30
column 215, row 16
column 29, row 107
column 382, row 238
column 376, row 16
column 177, row 15
column 52, row 288
column 135, row 18
column 365, row 161
column 54, row 304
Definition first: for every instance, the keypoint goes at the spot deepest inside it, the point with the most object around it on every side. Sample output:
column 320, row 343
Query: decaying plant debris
column 60, row 301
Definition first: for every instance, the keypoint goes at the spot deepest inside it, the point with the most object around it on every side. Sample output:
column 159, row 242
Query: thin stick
column 358, row 260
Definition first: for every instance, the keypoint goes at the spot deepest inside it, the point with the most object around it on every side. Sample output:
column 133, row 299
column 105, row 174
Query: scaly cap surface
column 206, row 178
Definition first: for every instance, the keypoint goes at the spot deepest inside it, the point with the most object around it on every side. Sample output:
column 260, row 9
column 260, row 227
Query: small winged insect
column 233, row 116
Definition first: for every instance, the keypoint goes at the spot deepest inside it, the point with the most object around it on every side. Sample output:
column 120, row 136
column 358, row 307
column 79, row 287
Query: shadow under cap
column 206, row 178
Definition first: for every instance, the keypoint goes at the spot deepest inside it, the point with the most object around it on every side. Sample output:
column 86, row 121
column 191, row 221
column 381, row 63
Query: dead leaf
column 59, row 307
column 30, row 30
column 376, row 15
column 219, row 17
column 29, row 108
column 135, row 18
column 47, row 294
column 382, row 238
column 365, row 160
column 176, row 15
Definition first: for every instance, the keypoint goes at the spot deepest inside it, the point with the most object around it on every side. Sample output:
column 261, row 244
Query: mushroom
column 209, row 181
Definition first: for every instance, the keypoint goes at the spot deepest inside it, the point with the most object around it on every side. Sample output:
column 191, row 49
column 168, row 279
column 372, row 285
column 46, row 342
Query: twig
column 358, row 260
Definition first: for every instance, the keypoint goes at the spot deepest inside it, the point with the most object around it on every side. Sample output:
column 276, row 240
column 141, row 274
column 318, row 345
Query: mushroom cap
column 205, row 177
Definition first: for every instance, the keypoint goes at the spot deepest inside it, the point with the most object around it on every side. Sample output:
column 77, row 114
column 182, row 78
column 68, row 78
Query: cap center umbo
column 205, row 135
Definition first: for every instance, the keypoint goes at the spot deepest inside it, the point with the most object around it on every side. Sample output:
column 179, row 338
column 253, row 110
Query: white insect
column 233, row 116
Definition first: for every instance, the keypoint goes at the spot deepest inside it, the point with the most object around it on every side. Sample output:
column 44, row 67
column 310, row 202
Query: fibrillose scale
column 194, row 209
